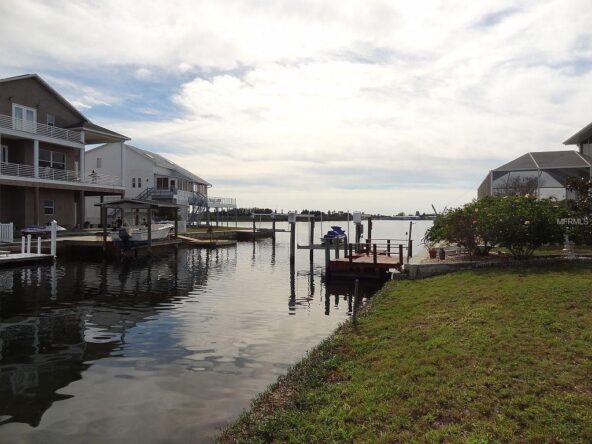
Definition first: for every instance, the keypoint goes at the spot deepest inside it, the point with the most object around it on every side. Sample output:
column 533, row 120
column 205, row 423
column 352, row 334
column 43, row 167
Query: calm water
column 162, row 350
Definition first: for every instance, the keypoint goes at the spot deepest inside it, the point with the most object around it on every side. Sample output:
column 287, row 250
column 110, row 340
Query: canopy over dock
column 147, row 206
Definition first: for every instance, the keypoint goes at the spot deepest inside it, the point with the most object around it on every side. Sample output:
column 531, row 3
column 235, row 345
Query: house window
column 50, row 119
column 24, row 118
column 162, row 183
column 99, row 162
column 52, row 159
column 49, row 207
column 139, row 182
column 133, row 182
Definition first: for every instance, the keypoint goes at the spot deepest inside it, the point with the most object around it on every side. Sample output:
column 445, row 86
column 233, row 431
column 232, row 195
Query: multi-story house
column 42, row 164
column 149, row 176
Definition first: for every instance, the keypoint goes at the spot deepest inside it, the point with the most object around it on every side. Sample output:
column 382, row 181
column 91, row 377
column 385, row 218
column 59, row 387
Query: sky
column 380, row 106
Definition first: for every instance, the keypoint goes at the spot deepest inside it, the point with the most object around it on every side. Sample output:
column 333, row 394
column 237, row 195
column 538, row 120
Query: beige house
column 42, row 163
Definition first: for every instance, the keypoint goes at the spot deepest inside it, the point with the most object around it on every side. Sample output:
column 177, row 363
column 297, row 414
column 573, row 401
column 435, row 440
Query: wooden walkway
column 375, row 265
column 22, row 258
column 207, row 243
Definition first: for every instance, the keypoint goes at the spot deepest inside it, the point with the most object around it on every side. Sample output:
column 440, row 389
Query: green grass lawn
column 478, row 356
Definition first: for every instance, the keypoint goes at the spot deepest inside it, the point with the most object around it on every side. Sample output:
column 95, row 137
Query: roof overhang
column 583, row 134
column 136, row 204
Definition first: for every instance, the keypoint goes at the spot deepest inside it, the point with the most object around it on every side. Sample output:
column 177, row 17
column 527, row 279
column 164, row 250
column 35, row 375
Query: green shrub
column 520, row 223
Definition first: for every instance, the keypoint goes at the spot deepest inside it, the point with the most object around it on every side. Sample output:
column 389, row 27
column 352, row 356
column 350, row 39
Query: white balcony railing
column 28, row 126
column 46, row 173
column 222, row 202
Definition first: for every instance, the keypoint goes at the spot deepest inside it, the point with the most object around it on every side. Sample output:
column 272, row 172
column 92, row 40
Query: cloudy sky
column 374, row 105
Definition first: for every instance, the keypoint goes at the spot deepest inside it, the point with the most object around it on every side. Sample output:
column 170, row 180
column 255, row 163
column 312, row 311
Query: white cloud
column 301, row 101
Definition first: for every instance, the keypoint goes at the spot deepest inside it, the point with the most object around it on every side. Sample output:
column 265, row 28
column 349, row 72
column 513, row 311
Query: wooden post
column 311, row 238
column 345, row 246
column 22, row 244
column 149, row 230
column 104, row 224
column 367, row 247
column 292, row 241
column 336, row 250
column 370, row 228
column 273, row 228
column 388, row 247
column 38, row 244
column 327, row 259
column 28, row 243
column 410, row 242
column 374, row 254
column 254, row 227
column 351, row 257
column 355, row 305
column 401, row 254
column 176, row 214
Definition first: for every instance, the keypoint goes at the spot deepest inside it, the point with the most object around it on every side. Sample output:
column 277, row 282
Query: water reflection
column 48, row 339
column 98, row 351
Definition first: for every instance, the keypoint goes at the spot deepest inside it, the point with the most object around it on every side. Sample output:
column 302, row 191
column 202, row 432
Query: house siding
column 29, row 92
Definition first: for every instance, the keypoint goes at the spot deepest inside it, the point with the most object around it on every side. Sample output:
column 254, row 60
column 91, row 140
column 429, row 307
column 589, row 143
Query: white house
column 146, row 175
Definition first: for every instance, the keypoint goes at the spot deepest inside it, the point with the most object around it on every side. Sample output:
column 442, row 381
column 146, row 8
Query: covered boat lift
column 147, row 206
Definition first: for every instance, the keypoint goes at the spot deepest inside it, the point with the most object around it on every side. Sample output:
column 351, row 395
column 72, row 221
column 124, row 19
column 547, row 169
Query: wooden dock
column 362, row 266
column 23, row 258
column 207, row 243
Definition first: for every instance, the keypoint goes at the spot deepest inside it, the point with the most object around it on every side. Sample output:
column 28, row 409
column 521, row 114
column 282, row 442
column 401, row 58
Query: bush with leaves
column 520, row 223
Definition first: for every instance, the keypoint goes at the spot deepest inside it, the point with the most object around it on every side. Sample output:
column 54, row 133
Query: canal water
column 169, row 349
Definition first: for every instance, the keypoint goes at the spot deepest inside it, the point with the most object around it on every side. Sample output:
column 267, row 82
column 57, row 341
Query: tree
column 520, row 223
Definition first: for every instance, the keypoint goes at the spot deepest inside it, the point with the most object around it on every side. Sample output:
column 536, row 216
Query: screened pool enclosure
column 543, row 174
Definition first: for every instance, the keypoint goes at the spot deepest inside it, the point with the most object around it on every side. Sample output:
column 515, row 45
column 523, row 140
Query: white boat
column 139, row 233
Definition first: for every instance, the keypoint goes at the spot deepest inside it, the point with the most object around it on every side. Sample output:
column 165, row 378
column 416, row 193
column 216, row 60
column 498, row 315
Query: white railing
column 222, row 202
column 28, row 126
column 16, row 169
column 7, row 232
column 46, row 173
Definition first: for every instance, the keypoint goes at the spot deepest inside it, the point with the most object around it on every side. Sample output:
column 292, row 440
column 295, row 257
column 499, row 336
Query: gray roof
column 547, row 160
column 579, row 137
column 163, row 162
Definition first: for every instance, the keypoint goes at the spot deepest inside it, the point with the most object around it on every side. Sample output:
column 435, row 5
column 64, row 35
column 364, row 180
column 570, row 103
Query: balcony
column 29, row 127
column 53, row 174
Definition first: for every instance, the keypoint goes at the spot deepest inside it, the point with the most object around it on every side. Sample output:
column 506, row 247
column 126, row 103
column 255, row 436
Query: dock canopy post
column 176, row 219
column 149, row 230
column 54, row 238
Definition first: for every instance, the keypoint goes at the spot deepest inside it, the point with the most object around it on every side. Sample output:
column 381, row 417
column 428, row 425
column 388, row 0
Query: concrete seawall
column 419, row 271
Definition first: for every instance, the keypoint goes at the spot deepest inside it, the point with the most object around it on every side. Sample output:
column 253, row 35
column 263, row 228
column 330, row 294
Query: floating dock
column 23, row 258
column 207, row 243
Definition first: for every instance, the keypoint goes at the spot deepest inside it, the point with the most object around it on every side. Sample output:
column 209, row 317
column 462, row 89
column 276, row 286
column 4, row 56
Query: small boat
column 139, row 233
column 335, row 235
column 40, row 230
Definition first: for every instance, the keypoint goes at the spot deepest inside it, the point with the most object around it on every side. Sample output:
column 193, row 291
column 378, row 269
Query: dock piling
column 355, row 304
column 28, row 243
column 336, row 250
column 38, row 244
column 149, row 231
column 54, row 238
column 327, row 258
column 292, row 241
column 400, row 253
column 388, row 247
column 351, row 257
column 374, row 254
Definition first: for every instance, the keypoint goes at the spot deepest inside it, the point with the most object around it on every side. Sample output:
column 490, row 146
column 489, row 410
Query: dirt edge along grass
column 477, row 356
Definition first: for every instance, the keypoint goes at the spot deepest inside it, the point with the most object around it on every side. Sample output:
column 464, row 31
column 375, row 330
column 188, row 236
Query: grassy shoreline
column 478, row 356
